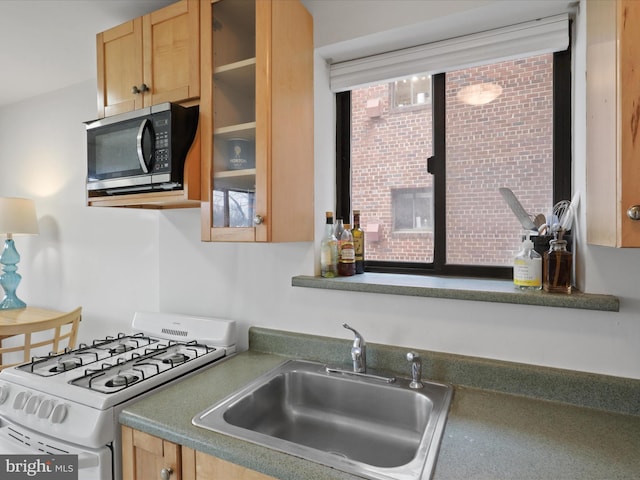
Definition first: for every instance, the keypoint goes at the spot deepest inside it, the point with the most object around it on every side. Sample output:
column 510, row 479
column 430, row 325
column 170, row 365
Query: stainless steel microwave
column 140, row 151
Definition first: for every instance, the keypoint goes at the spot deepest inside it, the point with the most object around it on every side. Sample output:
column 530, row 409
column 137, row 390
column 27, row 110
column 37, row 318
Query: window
column 412, row 210
column 412, row 91
column 430, row 176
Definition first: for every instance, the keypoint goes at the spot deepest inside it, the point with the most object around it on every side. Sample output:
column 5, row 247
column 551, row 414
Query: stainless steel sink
column 353, row 423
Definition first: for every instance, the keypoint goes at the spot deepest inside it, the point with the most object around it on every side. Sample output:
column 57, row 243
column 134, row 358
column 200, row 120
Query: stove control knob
column 4, row 393
column 20, row 400
column 46, row 407
column 32, row 405
column 59, row 413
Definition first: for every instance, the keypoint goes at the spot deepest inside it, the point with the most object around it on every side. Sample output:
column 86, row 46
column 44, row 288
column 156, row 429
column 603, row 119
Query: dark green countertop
column 543, row 430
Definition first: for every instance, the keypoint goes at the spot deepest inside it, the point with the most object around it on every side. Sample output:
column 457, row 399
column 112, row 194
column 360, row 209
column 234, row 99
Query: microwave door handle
column 140, row 138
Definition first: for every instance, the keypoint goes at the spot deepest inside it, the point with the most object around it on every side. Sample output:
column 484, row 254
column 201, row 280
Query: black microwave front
column 140, row 151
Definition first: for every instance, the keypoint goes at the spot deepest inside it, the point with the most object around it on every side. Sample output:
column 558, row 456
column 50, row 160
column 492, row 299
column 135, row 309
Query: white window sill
column 482, row 290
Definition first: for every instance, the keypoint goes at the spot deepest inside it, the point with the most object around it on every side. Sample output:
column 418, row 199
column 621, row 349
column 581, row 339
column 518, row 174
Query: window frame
column 562, row 161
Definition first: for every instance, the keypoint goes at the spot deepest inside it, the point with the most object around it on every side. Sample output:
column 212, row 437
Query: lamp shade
column 18, row 216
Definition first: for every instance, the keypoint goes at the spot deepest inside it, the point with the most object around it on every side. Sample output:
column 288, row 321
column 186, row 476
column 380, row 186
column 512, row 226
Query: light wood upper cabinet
column 256, row 116
column 146, row 457
column 150, row 60
column 613, row 122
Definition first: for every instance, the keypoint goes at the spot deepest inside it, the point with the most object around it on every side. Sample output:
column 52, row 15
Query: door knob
column 165, row 473
column 634, row 212
column 258, row 219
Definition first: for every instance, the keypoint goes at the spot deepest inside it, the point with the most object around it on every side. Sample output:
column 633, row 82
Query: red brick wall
column 507, row 142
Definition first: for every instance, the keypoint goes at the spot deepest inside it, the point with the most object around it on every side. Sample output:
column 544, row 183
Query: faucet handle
column 416, row 370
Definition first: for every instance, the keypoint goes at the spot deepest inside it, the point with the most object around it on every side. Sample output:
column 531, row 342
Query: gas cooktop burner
column 175, row 358
column 120, row 348
column 122, row 380
column 65, row 365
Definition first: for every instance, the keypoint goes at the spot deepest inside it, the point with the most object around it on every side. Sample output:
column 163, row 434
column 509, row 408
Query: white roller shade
column 545, row 35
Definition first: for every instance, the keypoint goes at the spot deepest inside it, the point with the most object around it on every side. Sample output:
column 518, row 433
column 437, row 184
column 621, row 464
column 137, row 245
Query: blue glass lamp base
column 9, row 278
column 9, row 303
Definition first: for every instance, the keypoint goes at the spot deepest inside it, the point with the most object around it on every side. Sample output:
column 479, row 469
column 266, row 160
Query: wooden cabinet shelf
column 243, row 180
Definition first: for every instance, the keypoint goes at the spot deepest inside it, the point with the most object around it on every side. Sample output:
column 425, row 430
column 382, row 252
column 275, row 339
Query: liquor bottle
column 556, row 268
column 358, row 241
column 329, row 250
column 346, row 253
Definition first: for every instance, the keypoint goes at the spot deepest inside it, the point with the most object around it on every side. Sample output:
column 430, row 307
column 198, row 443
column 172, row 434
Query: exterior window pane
column 506, row 142
column 498, row 131
column 389, row 152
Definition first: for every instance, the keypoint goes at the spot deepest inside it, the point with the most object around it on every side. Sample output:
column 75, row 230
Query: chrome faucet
column 416, row 370
column 358, row 351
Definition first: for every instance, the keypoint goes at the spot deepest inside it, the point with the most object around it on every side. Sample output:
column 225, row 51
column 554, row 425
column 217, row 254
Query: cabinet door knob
column 634, row 212
column 166, row 473
column 141, row 89
column 258, row 219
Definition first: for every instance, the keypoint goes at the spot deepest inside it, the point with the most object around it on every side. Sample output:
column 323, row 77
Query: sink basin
column 354, row 423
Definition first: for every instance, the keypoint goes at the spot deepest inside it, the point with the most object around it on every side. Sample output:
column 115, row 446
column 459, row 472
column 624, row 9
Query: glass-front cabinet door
column 232, row 193
column 257, row 85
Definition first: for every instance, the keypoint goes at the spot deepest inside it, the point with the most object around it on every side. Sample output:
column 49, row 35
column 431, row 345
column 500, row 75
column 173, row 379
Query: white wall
column 105, row 260
column 90, row 256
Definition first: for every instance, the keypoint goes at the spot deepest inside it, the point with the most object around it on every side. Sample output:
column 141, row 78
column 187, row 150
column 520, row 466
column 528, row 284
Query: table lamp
column 17, row 217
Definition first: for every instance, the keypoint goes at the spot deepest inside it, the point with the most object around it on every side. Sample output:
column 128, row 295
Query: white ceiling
column 46, row 45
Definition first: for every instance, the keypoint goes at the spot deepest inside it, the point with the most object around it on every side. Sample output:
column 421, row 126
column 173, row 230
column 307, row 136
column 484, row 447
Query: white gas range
column 69, row 403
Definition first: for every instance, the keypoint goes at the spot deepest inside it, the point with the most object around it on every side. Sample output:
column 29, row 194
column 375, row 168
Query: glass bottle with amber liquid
column 358, row 241
column 556, row 268
column 346, row 253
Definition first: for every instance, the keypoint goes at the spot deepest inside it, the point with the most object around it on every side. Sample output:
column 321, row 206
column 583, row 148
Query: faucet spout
column 358, row 351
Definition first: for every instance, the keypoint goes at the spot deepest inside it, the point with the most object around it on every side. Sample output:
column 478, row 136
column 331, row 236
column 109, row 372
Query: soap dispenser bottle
column 527, row 267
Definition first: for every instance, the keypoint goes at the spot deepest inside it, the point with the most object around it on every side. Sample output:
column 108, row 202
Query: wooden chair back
column 54, row 333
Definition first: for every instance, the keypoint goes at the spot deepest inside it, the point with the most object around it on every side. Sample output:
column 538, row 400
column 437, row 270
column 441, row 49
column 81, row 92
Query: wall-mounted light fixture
column 479, row 93
column 17, row 217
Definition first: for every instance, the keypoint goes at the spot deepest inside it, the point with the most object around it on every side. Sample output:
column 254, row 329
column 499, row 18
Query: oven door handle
column 145, row 131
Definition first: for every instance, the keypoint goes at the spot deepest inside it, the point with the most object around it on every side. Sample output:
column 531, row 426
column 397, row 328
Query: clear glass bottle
column 556, row 268
column 346, row 253
column 358, row 241
column 527, row 267
column 329, row 250
column 338, row 229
